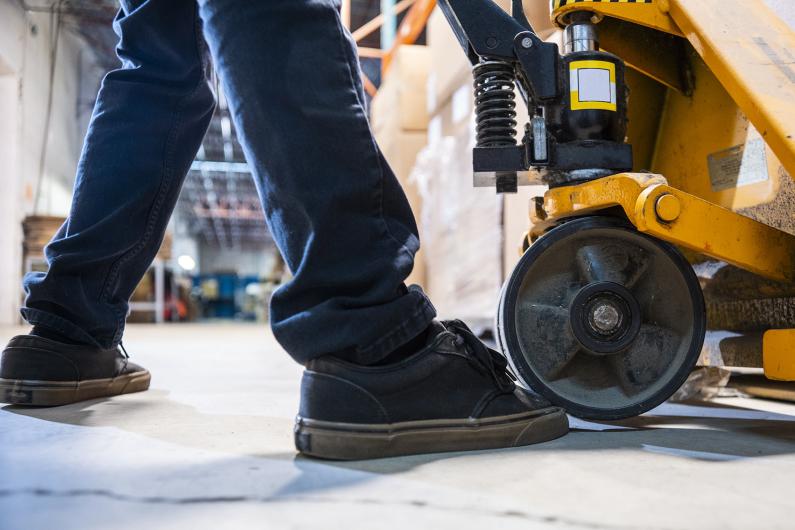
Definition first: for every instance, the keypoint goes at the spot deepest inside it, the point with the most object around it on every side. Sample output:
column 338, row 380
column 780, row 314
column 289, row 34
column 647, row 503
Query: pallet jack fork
column 602, row 314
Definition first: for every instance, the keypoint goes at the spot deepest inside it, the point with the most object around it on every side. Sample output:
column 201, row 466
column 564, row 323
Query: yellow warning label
column 557, row 4
column 592, row 85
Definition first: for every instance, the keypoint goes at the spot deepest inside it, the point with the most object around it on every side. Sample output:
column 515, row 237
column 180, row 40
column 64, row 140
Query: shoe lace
column 487, row 361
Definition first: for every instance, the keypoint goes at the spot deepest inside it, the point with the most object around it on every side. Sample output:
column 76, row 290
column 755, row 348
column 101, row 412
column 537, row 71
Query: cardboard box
column 403, row 93
column 460, row 232
column 471, row 236
column 449, row 65
column 455, row 115
column 516, row 223
column 539, row 14
column 399, row 120
column 455, row 119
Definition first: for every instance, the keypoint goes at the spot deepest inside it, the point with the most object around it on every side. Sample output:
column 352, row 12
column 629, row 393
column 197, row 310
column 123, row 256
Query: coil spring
column 494, row 103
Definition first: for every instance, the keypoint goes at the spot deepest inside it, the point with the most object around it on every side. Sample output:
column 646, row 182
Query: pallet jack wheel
column 602, row 320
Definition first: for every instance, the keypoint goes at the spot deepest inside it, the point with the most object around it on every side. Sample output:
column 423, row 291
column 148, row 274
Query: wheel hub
column 605, row 318
column 602, row 320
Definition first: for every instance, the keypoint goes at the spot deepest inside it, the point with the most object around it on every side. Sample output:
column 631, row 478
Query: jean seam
column 56, row 323
column 392, row 338
column 165, row 185
column 373, row 150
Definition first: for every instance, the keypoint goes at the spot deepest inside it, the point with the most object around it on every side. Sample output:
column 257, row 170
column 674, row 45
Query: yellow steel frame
column 750, row 50
column 743, row 64
column 688, row 221
column 777, row 354
column 746, row 46
column 680, row 218
column 652, row 14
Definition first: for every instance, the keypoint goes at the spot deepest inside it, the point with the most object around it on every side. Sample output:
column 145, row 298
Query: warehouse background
column 219, row 261
column 211, row 444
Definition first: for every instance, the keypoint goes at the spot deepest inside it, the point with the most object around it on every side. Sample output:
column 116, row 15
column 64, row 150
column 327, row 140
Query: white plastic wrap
column 460, row 230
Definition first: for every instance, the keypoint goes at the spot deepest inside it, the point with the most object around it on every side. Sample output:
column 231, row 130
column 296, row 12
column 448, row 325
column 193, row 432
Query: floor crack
column 548, row 519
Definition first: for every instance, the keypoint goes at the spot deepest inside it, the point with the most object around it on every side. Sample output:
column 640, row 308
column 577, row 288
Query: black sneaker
column 455, row 394
column 43, row 372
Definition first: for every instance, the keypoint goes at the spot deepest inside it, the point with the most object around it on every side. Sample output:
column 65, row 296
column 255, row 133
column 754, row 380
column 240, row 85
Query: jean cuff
column 36, row 317
column 417, row 322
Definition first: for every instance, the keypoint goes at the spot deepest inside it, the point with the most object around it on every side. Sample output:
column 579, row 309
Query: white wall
column 12, row 41
column 65, row 137
column 24, row 90
column 10, row 199
column 12, row 36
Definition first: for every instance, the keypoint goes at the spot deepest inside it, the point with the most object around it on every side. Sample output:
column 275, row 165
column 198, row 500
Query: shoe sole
column 346, row 441
column 55, row 393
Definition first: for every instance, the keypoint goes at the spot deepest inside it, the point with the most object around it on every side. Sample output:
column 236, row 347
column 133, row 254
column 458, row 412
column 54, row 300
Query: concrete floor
column 210, row 447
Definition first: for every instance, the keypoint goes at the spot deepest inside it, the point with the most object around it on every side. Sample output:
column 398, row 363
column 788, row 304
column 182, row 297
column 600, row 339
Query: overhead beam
column 376, row 23
column 369, row 87
column 410, row 29
column 373, row 53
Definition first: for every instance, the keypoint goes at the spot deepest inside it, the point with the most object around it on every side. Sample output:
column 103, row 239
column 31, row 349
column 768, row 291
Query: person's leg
column 335, row 208
column 149, row 119
column 346, row 231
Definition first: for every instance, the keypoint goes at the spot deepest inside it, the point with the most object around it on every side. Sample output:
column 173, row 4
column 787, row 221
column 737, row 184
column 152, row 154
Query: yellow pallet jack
column 603, row 315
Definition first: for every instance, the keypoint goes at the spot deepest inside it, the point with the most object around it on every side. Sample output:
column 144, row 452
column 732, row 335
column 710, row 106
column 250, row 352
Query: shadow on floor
column 703, row 431
column 154, row 415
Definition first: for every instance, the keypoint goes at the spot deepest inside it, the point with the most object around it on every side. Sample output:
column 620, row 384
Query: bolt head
column 605, row 317
column 492, row 42
column 527, row 42
column 668, row 208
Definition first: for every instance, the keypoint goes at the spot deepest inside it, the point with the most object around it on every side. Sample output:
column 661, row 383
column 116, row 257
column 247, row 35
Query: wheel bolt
column 605, row 317
column 668, row 208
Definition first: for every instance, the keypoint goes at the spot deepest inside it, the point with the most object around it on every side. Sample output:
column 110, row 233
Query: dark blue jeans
column 336, row 210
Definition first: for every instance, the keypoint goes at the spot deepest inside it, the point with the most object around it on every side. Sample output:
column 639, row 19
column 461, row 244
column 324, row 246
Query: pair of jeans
column 336, row 211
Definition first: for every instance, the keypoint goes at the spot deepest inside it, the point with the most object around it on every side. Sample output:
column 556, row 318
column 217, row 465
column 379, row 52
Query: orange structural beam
column 410, row 29
column 378, row 21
